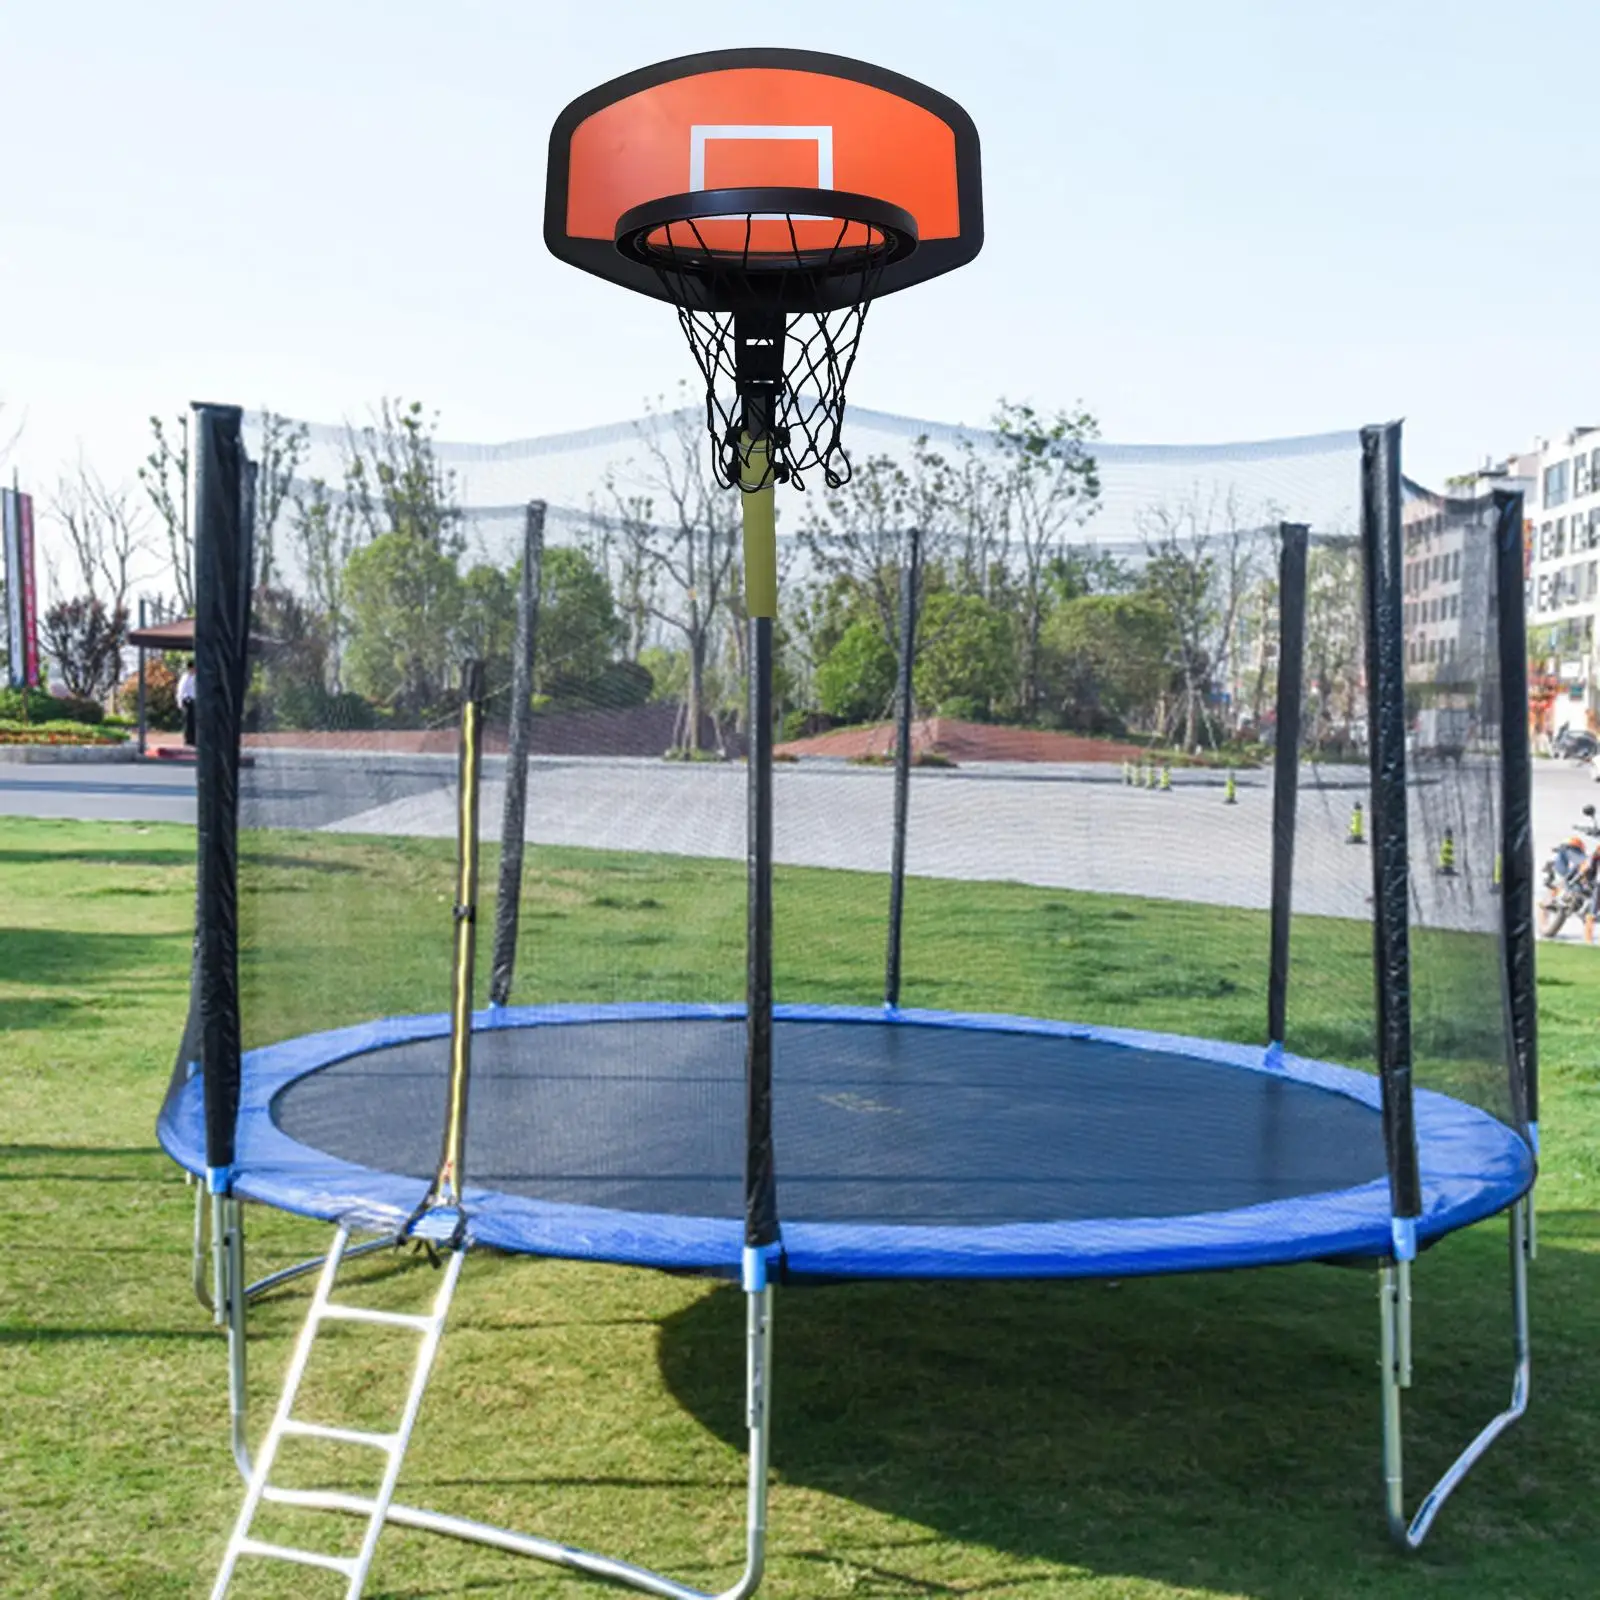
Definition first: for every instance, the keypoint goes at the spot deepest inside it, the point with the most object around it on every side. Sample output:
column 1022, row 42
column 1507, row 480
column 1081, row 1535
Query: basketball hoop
column 771, row 269
column 771, row 287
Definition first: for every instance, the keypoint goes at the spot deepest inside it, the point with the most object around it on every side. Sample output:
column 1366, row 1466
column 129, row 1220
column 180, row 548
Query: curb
column 43, row 755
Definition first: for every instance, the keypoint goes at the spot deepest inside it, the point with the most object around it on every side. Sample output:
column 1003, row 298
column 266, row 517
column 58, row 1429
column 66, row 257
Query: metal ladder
column 392, row 1446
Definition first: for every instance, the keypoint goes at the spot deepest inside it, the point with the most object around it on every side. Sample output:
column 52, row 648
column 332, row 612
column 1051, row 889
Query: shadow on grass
column 24, row 1333
column 82, row 960
column 134, row 856
column 1215, row 1432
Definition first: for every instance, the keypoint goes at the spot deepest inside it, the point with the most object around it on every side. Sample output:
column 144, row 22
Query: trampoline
column 917, row 1144
column 770, row 1142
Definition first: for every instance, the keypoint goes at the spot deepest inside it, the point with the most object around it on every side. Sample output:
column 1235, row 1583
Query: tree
column 324, row 535
column 860, row 539
column 281, row 449
column 393, row 481
column 1049, row 484
column 84, row 638
column 623, row 543
column 1109, row 659
column 1180, row 578
column 165, row 476
column 579, row 630
column 104, row 534
column 966, row 660
column 1335, row 666
column 855, row 680
column 296, row 665
column 404, row 601
column 693, row 548
column 1205, row 557
column 488, row 629
column 1088, row 570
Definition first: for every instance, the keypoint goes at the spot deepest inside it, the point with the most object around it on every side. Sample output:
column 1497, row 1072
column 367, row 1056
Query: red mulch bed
column 963, row 741
column 646, row 730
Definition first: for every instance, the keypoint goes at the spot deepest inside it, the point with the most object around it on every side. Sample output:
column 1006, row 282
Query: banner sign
column 11, row 527
column 22, row 588
column 30, row 593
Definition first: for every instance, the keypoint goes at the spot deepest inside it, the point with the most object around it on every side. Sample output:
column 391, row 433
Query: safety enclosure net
column 1140, row 796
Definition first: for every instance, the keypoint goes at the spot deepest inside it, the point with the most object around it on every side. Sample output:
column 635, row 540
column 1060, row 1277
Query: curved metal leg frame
column 212, row 1297
column 1394, row 1293
column 758, row 1418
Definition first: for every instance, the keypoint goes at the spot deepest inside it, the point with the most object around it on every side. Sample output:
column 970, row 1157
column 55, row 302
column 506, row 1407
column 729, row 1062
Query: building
column 1563, row 521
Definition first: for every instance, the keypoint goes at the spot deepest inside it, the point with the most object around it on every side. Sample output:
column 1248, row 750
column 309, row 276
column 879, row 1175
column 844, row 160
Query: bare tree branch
column 105, row 536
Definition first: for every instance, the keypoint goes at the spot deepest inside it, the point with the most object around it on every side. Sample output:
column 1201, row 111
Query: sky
column 1240, row 219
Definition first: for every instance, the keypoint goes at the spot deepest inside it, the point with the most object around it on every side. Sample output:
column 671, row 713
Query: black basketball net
column 819, row 347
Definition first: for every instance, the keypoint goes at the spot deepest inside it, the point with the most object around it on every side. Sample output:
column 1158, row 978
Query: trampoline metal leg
column 1394, row 1301
column 227, row 1225
column 198, row 1263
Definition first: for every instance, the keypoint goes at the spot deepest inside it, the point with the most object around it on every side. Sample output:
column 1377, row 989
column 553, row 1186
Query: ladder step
column 320, row 1430
column 390, row 1319
column 321, row 1500
column 344, row 1565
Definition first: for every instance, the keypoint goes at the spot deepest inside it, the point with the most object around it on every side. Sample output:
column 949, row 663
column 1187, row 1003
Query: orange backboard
column 738, row 119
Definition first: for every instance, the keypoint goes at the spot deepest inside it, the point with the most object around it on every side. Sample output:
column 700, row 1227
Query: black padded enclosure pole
column 1383, row 561
column 1292, row 540
column 449, row 1184
column 910, row 584
column 222, row 485
column 514, row 816
column 1516, row 812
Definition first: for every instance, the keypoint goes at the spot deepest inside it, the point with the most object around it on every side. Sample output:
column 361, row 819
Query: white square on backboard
column 701, row 134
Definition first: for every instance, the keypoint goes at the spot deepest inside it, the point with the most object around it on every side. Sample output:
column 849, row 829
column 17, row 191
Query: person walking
column 185, row 699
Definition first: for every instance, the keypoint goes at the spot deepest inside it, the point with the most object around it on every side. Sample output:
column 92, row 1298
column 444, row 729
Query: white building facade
column 1563, row 526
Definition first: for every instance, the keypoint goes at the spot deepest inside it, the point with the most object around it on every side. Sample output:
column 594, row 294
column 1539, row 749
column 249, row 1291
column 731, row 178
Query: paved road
column 1060, row 826
column 92, row 792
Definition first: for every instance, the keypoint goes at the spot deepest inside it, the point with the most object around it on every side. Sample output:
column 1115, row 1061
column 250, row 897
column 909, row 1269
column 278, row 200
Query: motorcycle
column 1569, row 880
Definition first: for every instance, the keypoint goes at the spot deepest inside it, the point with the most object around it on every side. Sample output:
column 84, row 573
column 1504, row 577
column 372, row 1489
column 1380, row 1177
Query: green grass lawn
column 1206, row 1436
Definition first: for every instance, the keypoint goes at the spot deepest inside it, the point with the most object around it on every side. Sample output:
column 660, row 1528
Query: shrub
column 42, row 706
column 964, row 708
column 59, row 731
column 303, row 705
column 161, row 694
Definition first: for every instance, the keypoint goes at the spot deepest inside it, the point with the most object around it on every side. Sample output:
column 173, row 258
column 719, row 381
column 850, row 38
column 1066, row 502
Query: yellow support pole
column 760, row 529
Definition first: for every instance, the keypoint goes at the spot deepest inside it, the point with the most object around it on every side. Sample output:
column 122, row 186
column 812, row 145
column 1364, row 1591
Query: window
column 1594, row 469
column 1580, row 476
column 1547, row 547
column 1561, row 536
column 1455, row 568
column 1592, row 581
column 1455, row 607
column 1555, row 483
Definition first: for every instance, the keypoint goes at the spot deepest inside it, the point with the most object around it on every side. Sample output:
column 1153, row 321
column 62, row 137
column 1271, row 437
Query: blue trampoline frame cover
column 1472, row 1165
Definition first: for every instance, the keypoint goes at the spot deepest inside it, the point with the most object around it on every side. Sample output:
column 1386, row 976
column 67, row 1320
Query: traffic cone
column 1166, row 780
column 1447, row 854
column 1127, row 774
column 1494, row 882
column 1358, row 825
column 1150, row 776
column 1230, row 791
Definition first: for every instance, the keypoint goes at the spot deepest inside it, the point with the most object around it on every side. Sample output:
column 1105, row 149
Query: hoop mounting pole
column 760, row 374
